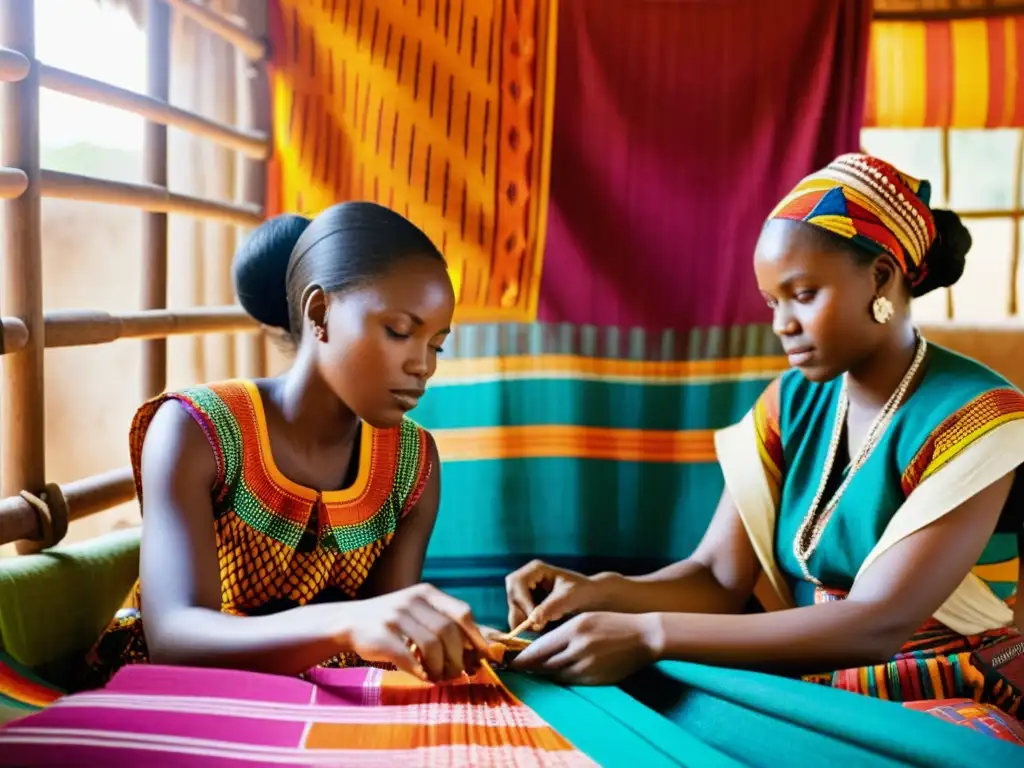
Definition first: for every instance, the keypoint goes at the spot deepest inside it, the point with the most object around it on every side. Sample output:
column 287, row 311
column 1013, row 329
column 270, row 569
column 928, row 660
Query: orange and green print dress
column 280, row 545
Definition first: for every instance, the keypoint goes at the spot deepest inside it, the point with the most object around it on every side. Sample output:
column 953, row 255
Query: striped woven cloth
column 22, row 692
column 353, row 717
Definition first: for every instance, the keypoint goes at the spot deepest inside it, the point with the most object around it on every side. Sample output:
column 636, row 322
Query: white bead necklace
column 808, row 535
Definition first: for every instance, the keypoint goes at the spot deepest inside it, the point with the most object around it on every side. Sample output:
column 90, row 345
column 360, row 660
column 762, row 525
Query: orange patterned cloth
column 935, row 664
column 280, row 544
column 945, row 73
column 440, row 111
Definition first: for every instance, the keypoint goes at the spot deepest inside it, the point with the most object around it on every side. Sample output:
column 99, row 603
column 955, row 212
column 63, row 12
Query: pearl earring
column 881, row 310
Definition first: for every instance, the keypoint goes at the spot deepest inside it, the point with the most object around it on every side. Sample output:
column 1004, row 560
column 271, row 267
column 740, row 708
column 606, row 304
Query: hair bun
column 947, row 256
column 260, row 266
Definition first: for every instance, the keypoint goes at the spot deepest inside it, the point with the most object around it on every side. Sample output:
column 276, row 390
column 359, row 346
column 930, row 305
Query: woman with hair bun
column 872, row 490
column 286, row 520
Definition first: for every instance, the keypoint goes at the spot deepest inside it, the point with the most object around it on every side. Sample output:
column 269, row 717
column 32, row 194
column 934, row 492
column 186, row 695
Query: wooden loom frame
column 36, row 514
column 33, row 513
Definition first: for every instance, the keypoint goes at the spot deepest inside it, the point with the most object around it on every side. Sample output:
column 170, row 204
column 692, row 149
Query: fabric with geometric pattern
column 280, row 545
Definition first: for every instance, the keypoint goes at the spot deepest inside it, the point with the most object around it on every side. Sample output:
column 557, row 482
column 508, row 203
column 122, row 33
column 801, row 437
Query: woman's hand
column 419, row 629
column 594, row 649
column 561, row 592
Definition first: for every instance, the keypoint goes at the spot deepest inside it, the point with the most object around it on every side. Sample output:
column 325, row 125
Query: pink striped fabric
column 151, row 715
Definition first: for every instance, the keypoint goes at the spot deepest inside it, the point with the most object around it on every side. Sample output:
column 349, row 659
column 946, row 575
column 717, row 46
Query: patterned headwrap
column 870, row 203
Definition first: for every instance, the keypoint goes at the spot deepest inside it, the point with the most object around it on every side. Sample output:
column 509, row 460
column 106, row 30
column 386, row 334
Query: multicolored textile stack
column 175, row 716
column 351, row 717
column 21, row 692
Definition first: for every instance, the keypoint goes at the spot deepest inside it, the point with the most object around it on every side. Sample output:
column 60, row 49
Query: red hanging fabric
column 678, row 125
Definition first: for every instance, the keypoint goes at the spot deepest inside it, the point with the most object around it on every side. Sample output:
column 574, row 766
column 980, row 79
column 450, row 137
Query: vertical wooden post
column 23, row 435
column 219, row 101
column 1018, row 190
column 255, row 101
column 154, row 162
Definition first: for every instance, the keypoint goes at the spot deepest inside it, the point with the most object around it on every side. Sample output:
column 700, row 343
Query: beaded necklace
column 813, row 526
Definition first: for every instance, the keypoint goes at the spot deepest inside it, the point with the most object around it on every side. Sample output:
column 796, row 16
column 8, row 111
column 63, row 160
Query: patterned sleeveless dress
column 280, row 545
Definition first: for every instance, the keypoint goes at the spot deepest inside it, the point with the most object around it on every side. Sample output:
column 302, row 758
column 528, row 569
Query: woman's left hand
column 593, row 649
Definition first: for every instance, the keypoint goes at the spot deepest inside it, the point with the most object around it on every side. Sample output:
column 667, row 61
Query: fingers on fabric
column 399, row 649
column 540, row 651
column 457, row 611
column 519, row 587
column 423, row 645
column 471, row 660
column 557, row 604
column 446, row 653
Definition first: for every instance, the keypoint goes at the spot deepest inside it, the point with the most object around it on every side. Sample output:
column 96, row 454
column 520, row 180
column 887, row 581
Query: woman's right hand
column 546, row 593
column 419, row 629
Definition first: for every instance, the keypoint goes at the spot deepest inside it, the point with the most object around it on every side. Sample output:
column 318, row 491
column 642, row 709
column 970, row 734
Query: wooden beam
column 74, row 328
column 22, row 428
column 254, row 108
column 943, row 10
column 13, row 335
column 156, row 110
column 154, row 169
column 148, row 197
column 14, row 66
column 20, row 522
column 13, row 183
column 1018, row 191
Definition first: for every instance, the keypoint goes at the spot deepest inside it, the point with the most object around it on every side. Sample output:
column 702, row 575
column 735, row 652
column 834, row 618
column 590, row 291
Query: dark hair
column 947, row 256
column 260, row 266
column 345, row 246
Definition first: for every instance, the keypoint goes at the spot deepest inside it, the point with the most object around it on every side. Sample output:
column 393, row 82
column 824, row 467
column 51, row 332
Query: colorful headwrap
column 870, row 203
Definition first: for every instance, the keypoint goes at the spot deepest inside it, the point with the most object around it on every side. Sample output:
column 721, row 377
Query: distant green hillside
column 92, row 160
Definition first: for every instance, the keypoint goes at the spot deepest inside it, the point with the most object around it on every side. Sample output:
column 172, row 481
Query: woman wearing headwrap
column 870, row 493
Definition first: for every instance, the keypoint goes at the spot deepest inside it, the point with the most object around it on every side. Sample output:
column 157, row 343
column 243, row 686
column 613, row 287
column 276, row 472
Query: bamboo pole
column 986, row 214
column 220, row 99
column 255, row 107
column 229, row 31
column 148, row 197
column 14, row 66
column 73, row 328
column 155, row 110
column 13, row 335
column 22, row 428
column 1018, row 189
column 13, row 183
column 154, row 224
column 19, row 520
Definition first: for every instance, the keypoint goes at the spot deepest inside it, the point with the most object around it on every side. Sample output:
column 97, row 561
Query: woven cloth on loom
column 351, row 717
column 960, row 73
column 438, row 110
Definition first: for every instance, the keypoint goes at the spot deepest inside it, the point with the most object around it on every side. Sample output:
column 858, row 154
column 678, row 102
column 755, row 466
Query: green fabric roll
column 681, row 714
